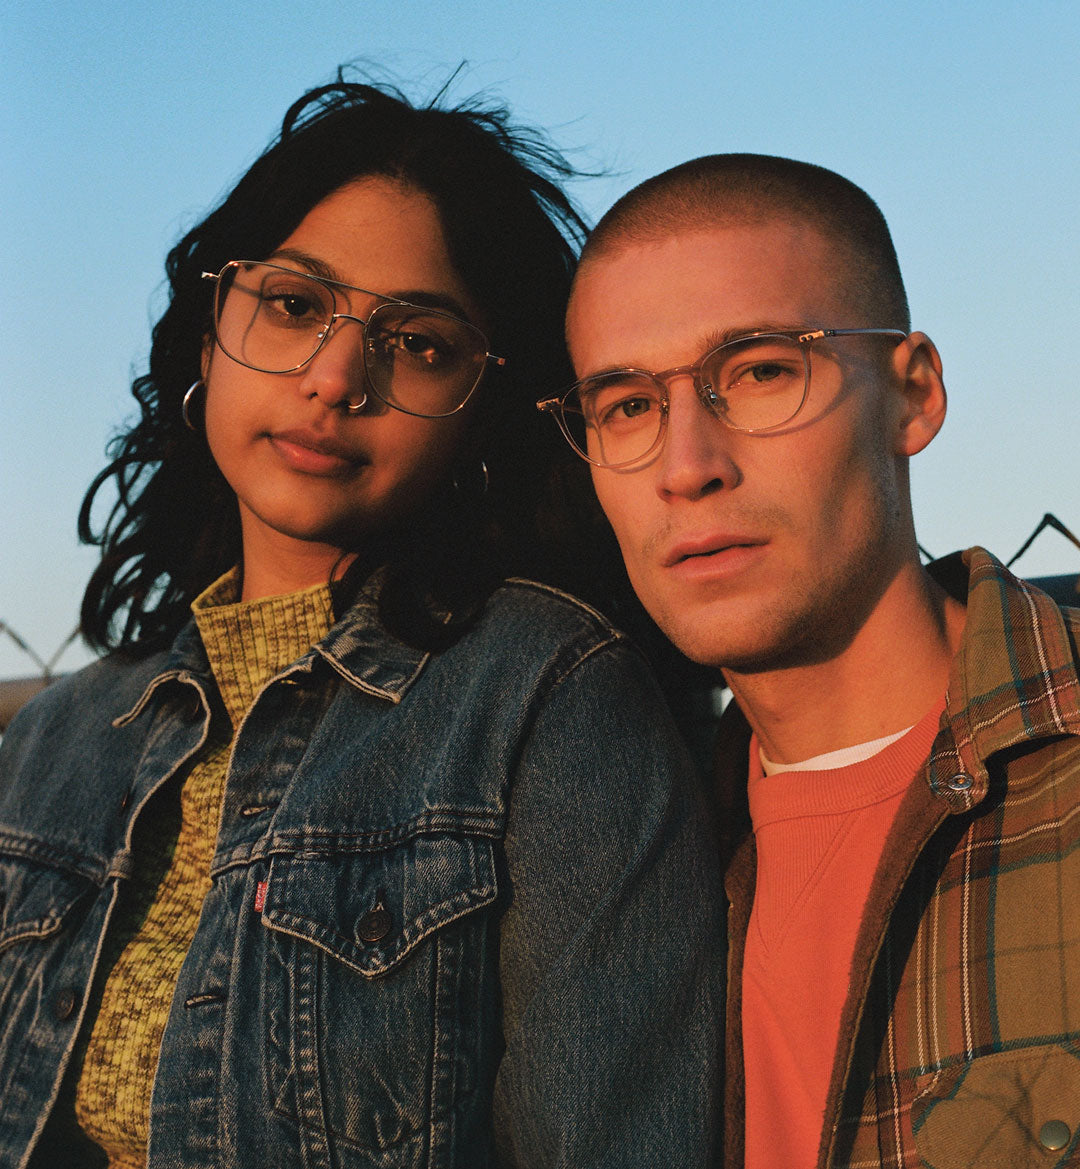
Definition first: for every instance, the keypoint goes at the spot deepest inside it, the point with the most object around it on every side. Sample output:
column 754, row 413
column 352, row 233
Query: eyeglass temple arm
column 817, row 334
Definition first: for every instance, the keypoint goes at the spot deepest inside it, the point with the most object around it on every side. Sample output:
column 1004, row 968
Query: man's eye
column 615, row 412
column 629, row 408
column 756, row 375
column 766, row 371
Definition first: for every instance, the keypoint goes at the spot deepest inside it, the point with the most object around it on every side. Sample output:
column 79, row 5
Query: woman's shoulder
column 545, row 615
column 74, row 704
column 529, row 636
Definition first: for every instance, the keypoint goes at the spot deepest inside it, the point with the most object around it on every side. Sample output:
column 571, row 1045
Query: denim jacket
column 464, row 906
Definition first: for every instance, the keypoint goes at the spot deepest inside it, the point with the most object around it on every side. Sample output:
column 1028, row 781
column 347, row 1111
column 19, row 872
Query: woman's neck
column 274, row 564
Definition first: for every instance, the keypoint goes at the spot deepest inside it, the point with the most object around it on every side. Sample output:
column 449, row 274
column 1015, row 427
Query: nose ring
column 356, row 407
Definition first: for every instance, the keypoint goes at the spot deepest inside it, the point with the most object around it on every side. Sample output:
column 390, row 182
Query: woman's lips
column 315, row 454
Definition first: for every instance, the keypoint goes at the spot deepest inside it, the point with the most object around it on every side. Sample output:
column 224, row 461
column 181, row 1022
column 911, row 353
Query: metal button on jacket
column 961, row 782
column 64, row 1004
column 374, row 925
column 1054, row 1134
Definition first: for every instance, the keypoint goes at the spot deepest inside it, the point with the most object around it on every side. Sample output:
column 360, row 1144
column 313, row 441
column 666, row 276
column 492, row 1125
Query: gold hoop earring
column 185, row 406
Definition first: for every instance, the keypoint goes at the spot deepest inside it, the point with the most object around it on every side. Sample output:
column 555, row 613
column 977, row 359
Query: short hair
column 724, row 189
column 512, row 235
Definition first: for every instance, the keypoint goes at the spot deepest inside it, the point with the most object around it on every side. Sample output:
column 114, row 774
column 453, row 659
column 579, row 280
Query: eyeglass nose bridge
column 707, row 396
column 323, row 335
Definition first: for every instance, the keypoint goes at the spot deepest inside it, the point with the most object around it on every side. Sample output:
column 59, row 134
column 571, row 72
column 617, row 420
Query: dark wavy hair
column 512, row 235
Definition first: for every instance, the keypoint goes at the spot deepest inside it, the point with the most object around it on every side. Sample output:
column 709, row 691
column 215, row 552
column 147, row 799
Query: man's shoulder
column 1015, row 603
column 1015, row 679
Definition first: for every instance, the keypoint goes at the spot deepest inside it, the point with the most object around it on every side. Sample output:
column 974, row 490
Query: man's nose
column 696, row 458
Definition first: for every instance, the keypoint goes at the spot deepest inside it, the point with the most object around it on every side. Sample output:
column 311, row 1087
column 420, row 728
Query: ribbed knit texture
column 819, row 837
column 247, row 644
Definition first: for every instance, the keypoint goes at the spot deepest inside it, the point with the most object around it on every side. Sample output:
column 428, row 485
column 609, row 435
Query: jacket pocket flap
column 371, row 909
column 1002, row 1111
column 34, row 899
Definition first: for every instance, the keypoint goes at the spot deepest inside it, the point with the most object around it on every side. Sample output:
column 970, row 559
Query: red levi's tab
column 260, row 895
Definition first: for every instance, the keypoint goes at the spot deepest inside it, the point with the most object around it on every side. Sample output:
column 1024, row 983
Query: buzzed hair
column 720, row 190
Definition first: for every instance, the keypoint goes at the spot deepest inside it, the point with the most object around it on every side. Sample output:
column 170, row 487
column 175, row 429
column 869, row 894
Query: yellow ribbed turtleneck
column 247, row 643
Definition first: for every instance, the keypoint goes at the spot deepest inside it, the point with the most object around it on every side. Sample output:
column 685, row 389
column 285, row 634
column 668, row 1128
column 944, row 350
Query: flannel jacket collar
column 1015, row 676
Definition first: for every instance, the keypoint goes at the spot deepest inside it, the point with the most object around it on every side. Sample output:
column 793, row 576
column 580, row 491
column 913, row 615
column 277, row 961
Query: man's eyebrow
column 424, row 297
column 713, row 340
column 718, row 337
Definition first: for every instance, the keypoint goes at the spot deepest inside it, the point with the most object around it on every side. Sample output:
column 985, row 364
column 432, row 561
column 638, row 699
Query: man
column 904, row 965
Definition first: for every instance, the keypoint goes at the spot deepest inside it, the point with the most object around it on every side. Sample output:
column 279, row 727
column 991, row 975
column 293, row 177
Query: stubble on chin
column 800, row 620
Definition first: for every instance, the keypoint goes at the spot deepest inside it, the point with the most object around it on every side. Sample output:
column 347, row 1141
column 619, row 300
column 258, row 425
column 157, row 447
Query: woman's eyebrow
column 313, row 264
column 424, row 297
column 428, row 299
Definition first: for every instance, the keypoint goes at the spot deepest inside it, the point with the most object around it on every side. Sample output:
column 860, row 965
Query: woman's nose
column 335, row 375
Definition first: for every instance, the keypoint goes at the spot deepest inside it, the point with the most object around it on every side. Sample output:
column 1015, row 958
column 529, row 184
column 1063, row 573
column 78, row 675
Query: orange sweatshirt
column 819, row 831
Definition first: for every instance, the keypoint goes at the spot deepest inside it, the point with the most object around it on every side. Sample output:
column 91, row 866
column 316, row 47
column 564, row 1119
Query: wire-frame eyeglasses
column 417, row 359
column 755, row 383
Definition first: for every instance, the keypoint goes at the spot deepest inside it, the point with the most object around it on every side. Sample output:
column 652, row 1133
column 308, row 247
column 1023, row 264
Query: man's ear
column 917, row 370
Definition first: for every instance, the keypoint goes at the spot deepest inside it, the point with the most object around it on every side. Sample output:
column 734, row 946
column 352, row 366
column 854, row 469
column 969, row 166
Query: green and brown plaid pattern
column 960, row 1039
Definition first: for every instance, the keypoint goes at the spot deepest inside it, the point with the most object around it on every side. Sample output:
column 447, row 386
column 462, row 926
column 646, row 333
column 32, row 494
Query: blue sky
column 122, row 124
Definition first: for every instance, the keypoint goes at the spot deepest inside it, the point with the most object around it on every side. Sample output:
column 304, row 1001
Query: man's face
column 751, row 551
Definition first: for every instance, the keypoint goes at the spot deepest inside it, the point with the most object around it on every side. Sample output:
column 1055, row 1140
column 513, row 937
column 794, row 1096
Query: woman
column 381, row 858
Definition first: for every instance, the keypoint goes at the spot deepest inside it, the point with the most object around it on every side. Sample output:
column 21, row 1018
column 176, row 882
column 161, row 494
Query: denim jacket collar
column 357, row 647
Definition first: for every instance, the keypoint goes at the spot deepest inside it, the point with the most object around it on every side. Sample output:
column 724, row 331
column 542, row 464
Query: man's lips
column 315, row 453
column 712, row 544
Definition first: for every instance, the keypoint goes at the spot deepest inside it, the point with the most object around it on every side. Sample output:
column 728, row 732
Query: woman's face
column 312, row 478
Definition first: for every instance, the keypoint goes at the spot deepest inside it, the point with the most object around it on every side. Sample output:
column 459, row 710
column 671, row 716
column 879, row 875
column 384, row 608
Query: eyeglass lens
column 754, row 383
column 418, row 360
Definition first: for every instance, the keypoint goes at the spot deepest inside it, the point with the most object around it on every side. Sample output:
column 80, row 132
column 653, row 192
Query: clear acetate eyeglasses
column 754, row 383
column 419, row 360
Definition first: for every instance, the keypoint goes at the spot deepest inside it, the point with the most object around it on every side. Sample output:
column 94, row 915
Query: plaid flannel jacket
column 960, row 1038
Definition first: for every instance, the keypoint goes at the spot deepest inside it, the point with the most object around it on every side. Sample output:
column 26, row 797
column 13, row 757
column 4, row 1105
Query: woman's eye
column 407, row 343
column 291, row 305
column 418, row 344
column 295, row 306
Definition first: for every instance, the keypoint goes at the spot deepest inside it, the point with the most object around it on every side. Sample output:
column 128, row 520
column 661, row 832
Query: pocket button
column 374, row 925
column 1054, row 1134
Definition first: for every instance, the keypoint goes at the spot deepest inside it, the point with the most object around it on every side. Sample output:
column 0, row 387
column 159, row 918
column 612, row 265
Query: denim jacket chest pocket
column 34, row 900
column 38, row 903
column 380, row 978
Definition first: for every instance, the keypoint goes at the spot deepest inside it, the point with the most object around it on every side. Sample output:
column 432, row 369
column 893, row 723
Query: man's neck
column 893, row 670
